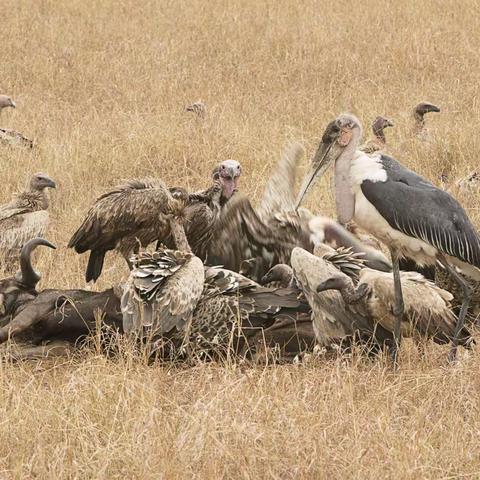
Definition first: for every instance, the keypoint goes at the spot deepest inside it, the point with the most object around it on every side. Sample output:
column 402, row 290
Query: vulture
column 140, row 212
column 11, row 137
column 198, row 108
column 185, row 308
column 427, row 307
column 132, row 215
column 24, row 218
column 252, row 239
column 419, row 112
column 378, row 142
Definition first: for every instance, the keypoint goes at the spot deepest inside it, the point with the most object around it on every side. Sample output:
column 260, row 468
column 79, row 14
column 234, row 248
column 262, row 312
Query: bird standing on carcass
column 24, row 218
column 403, row 210
column 185, row 308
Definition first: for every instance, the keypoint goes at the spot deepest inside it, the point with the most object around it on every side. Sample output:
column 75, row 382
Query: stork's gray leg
column 467, row 297
column 399, row 307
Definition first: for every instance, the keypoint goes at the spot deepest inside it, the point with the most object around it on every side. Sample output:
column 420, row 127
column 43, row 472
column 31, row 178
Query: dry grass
column 102, row 87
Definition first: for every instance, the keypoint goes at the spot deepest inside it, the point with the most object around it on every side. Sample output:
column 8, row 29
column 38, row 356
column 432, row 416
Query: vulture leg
column 399, row 307
column 467, row 297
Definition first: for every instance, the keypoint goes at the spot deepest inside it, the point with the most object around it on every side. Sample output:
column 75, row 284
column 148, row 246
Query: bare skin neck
column 344, row 198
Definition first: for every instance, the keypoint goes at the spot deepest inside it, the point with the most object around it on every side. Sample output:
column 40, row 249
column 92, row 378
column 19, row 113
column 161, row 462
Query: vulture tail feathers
column 95, row 265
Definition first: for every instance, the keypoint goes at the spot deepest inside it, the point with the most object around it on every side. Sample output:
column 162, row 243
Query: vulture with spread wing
column 24, row 218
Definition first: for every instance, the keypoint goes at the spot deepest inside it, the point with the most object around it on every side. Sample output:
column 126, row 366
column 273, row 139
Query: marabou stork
column 409, row 214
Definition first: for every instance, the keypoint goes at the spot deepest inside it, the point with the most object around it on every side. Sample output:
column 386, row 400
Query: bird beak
column 50, row 183
column 13, row 104
column 390, row 123
column 264, row 280
column 322, row 287
column 432, row 108
column 321, row 161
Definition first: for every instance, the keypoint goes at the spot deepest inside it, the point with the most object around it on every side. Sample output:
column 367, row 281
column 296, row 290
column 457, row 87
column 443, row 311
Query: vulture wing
column 332, row 320
column 279, row 195
column 162, row 292
column 18, row 229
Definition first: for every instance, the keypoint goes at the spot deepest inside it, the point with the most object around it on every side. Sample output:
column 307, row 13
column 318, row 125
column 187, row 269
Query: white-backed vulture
column 333, row 322
column 198, row 108
column 427, row 307
column 378, row 142
column 24, row 218
column 262, row 237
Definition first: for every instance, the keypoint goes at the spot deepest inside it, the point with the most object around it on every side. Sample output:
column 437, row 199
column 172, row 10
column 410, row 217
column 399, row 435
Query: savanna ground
column 101, row 87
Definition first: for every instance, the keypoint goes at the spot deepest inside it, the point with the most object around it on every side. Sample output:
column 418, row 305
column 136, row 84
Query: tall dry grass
column 102, row 87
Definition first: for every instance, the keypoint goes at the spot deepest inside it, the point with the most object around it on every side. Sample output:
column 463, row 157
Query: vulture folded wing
column 138, row 206
column 162, row 292
column 279, row 194
column 16, row 230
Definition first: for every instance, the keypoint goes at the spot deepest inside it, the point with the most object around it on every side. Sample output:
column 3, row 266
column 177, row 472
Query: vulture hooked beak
column 333, row 283
column 27, row 275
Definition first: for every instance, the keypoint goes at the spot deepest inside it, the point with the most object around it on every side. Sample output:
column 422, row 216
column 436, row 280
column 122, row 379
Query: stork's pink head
column 228, row 173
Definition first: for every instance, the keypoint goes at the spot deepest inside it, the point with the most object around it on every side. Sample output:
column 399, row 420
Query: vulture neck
column 344, row 198
column 419, row 124
column 179, row 236
column 36, row 199
column 379, row 136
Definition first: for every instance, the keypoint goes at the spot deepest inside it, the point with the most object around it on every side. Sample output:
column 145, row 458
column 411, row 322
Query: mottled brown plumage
column 225, row 308
column 14, row 138
column 333, row 323
column 263, row 236
column 130, row 216
column 427, row 307
column 24, row 218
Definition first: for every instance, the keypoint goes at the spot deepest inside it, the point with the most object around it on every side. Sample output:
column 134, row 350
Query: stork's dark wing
column 417, row 208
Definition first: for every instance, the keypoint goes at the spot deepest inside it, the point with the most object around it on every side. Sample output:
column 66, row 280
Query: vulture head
column 342, row 133
column 279, row 273
column 228, row 174
column 14, row 291
column 40, row 181
column 379, row 125
column 337, row 282
column 6, row 102
column 422, row 108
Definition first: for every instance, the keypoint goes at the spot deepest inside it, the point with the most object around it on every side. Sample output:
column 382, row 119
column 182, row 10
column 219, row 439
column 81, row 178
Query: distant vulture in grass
column 419, row 113
column 24, row 218
column 206, row 313
column 378, row 142
column 198, row 108
column 11, row 137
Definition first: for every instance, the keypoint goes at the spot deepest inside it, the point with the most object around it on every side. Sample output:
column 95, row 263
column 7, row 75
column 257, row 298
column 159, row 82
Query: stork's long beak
column 320, row 163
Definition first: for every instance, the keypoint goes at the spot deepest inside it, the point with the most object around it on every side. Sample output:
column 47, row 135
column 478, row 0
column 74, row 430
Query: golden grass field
column 102, row 88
